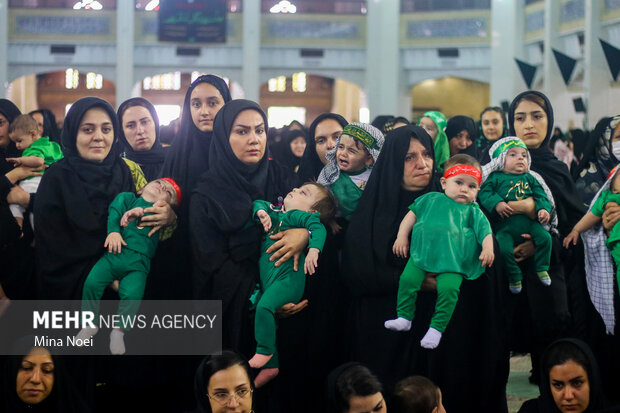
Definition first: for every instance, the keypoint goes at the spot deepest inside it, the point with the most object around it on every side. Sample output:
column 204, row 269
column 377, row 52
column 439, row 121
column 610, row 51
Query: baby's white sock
column 117, row 345
column 431, row 339
column 398, row 324
column 85, row 334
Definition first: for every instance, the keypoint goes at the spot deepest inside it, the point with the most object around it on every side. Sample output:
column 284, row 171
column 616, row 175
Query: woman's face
column 139, row 128
column 460, row 142
column 229, row 391
column 570, row 387
column 418, row 167
column 298, row 146
column 492, row 125
column 615, row 136
column 325, row 136
column 35, row 376
column 95, row 135
column 530, row 123
column 367, row 404
column 4, row 132
column 429, row 126
column 248, row 137
column 205, row 101
column 38, row 117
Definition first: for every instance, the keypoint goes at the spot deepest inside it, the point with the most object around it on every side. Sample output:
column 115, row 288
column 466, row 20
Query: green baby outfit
column 281, row 285
column 43, row 148
column 501, row 186
column 614, row 235
column 130, row 267
column 446, row 239
column 348, row 189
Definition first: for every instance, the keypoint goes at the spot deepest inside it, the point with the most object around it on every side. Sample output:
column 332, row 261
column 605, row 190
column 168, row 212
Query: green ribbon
column 513, row 143
column 360, row 134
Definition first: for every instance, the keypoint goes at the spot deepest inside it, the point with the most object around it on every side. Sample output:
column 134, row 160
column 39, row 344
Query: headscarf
column 598, row 159
column 368, row 260
column 379, row 121
column 286, row 156
column 230, row 186
column 555, row 173
column 151, row 160
column 546, row 403
column 497, row 154
column 333, row 402
column 389, row 125
column 50, row 128
column 458, row 123
column 483, row 143
column 310, row 165
column 441, row 145
column 368, row 135
column 63, row 398
column 10, row 112
column 189, row 156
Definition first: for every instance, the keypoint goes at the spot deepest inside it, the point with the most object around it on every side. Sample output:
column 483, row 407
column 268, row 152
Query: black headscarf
column 310, row 165
column 50, row 128
column 598, row 159
column 10, row 112
column 379, row 121
column 230, row 186
column 545, row 403
column 72, row 206
column 459, row 123
column 375, row 222
column 151, row 160
column 189, row 156
column 64, row 398
column 568, row 203
column 289, row 159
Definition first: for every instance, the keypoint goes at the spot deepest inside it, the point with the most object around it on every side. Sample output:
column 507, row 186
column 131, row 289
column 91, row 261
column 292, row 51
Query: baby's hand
column 401, row 247
column 572, row 237
column 312, row 261
column 265, row 219
column 487, row 256
column 503, row 209
column 114, row 242
column 543, row 216
column 131, row 215
column 333, row 225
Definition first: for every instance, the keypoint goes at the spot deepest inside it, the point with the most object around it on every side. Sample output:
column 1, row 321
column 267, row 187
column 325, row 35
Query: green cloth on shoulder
column 347, row 193
column 447, row 236
column 135, row 236
column 599, row 208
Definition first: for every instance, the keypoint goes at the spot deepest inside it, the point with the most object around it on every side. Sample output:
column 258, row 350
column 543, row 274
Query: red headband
column 612, row 172
column 463, row 169
column 176, row 188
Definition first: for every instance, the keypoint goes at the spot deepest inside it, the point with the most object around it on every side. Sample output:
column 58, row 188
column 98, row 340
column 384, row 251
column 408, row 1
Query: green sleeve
column 118, row 207
column 599, row 206
column 412, row 207
column 540, row 198
column 34, row 151
column 310, row 221
column 488, row 196
column 482, row 227
column 258, row 205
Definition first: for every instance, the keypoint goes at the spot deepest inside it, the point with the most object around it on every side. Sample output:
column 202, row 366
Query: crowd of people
column 244, row 202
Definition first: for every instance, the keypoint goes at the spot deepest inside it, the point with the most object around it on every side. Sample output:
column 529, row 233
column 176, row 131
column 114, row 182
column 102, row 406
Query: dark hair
column 534, row 98
column 415, row 394
column 327, row 205
column 562, row 352
column 356, row 380
column 493, row 109
column 212, row 365
column 24, row 123
column 462, row 159
column 130, row 104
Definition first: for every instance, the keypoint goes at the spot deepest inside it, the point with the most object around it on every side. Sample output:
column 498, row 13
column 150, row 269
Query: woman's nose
column 36, row 375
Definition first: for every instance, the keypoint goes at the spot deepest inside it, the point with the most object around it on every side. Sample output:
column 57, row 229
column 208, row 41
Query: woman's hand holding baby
column 312, row 261
column 264, row 219
column 401, row 247
column 503, row 209
column 114, row 243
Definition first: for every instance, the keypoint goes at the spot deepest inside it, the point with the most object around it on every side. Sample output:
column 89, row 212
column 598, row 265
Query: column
column 4, row 46
column 383, row 71
column 553, row 83
column 250, row 71
column 597, row 78
column 507, row 31
column 125, row 11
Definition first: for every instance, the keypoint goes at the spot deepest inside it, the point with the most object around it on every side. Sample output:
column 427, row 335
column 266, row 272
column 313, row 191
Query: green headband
column 360, row 134
column 513, row 143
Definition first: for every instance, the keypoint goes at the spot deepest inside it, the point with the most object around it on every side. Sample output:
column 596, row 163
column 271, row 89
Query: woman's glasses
column 223, row 398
